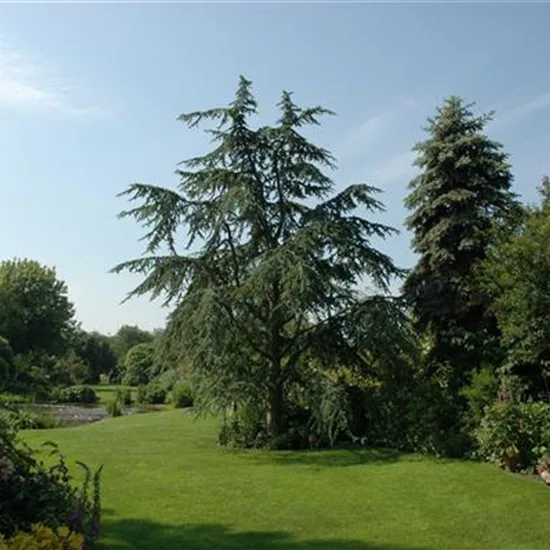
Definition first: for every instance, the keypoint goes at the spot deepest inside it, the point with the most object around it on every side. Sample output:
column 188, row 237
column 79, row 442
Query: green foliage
column 242, row 426
column 169, row 378
column 138, row 364
column 321, row 407
column 434, row 415
column 151, row 394
column 515, row 435
column 7, row 365
column 114, row 407
column 182, row 395
column 69, row 370
column 31, row 493
column 517, row 273
column 7, row 399
column 124, row 396
column 126, row 338
column 76, row 394
column 140, row 394
column 460, row 195
column 32, row 378
column 20, row 419
column 35, row 313
column 277, row 255
column 41, row 537
column 480, row 394
column 96, row 351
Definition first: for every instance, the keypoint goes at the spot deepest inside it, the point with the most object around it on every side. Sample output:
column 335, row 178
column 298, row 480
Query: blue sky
column 89, row 96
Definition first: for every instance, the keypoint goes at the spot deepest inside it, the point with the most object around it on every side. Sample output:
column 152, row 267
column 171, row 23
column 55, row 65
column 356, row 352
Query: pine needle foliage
column 272, row 257
column 462, row 194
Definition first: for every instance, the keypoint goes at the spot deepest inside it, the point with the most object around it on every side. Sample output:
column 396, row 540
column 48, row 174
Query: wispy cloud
column 30, row 84
column 520, row 111
column 398, row 167
column 372, row 129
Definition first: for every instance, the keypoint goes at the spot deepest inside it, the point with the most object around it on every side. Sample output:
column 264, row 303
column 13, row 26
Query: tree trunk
column 275, row 410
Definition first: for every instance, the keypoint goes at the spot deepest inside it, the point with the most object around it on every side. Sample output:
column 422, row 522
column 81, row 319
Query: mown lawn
column 166, row 486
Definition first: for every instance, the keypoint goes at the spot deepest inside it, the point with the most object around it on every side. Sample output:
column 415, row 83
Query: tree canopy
column 518, row 274
column 36, row 315
column 275, row 255
column 138, row 364
column 6, row 362
column 461, row 194
column 97, row 352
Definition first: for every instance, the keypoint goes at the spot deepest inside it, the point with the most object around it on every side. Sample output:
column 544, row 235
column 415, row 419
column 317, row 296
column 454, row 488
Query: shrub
column 170, row 378
column 140, row 394
column 7, row 399
column 124, row 396
column 31, row 493
column 69, row 370
column 480, row 394
column 182, row 395
column 138, row 363
column 76, row 394
column 515, row 435
column 113, row 408
column 152, row 394
column 19, row 419
column 41, row 537
column 243, row 426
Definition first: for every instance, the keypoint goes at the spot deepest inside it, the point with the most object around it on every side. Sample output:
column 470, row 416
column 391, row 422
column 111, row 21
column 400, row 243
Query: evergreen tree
column 461, row 195
column 277, row 256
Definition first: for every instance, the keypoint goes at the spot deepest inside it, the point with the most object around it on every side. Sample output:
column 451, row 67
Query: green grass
column 167, row 486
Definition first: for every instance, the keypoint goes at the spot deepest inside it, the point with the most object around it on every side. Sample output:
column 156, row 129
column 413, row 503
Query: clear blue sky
column 89, row 96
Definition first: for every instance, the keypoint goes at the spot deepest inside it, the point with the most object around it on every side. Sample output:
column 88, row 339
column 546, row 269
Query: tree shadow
column 145, row 535
column 339, row 457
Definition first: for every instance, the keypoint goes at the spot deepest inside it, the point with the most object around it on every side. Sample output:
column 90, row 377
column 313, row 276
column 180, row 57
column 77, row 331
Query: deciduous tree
column 517, row 273
column 36, row 315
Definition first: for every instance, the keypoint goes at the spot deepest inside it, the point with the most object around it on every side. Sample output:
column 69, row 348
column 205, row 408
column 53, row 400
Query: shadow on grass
column 340, row 457
column 144, row 535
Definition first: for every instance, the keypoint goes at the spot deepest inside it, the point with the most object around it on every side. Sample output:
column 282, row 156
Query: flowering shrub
column 41, row 537
column 31, row 493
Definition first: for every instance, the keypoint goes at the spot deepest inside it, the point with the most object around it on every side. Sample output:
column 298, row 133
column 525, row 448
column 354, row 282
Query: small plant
column 7, row 399
column 19, row 419
column 31, row 493
column 243, row 426
column 41, row 537
column 182, row 395
column 124, row 396
column 140, row 394
column 113, row 408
